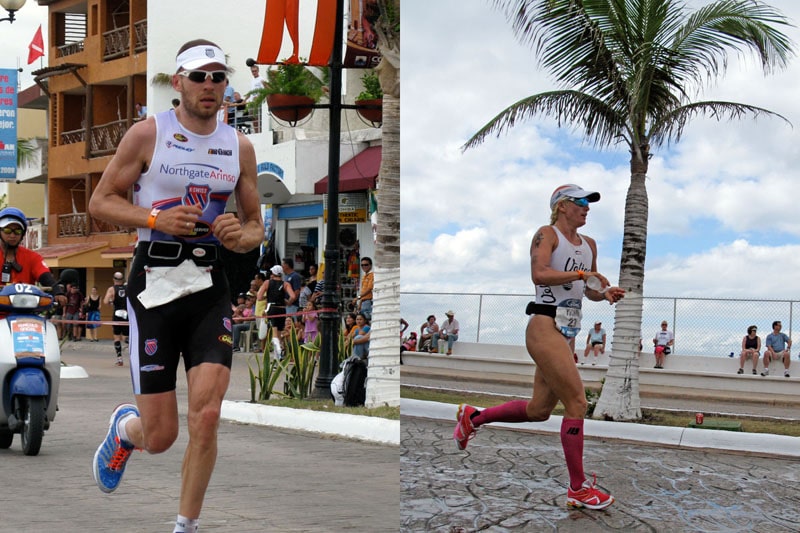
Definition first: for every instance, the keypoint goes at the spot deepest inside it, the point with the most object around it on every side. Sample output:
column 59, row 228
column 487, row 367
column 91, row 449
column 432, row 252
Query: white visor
column 200, row 56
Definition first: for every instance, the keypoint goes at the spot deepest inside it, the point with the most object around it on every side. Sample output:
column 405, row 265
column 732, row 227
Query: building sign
column 352, row 207
column 8, row 124
column 362, row 39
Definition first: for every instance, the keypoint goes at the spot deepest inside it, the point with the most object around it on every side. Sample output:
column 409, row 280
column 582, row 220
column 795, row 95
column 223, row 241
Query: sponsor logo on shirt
column 196, row 171
column 180, row 137
column 219, row 151
column 171, row 144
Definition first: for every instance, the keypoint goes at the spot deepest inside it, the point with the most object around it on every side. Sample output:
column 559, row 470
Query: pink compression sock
column 514, row 411
column 572, row 442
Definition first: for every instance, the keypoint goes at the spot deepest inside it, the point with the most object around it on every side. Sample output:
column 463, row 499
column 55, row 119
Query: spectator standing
column 595, row 342
column 556, row 315
column 278, row 292
column 73, row 312
column 182, row 224
column 777, row 345
column 349, row 323
column 310, row 322
column 360, row 335
column 92, row 307
column 305, row 294
column 117, row 296
column 426, row 331
column 363, row 301
column 448, row 331
column 663, row 342
column 751, row 348
column 296, row 282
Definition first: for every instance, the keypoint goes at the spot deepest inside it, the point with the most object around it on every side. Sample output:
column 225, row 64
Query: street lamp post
column 11, row 6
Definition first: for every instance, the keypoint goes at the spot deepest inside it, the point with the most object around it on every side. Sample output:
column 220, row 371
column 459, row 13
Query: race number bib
column 568, row 317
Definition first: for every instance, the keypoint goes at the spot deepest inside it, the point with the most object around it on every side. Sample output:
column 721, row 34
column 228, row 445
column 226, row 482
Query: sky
column 15, row 38
column 723, row 221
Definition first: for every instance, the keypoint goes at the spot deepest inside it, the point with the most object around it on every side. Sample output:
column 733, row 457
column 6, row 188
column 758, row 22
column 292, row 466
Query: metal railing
column 116, row 43
column 702, row 326
column 69, row 49
column 73, row 225
column 106, row 137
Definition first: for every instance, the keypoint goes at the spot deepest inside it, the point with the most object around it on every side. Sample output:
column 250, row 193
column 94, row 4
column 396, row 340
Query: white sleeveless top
column 568, row 298
column 188, row 169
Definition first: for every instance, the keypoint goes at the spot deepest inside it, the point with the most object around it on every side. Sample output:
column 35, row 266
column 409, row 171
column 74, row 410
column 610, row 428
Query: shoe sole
column 95, row 472
column 577, row 504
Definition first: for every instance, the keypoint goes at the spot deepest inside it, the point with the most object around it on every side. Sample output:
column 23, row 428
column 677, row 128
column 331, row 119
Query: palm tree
column 383, row 376
column 626, row 70
column 26, row 152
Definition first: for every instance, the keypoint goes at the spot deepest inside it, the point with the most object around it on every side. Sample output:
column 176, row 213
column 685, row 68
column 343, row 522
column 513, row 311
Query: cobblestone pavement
column 516, row 481
column 265, row 479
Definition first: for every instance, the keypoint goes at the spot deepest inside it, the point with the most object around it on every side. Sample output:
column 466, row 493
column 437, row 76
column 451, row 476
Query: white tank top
column 188, row 169
column 568, row 298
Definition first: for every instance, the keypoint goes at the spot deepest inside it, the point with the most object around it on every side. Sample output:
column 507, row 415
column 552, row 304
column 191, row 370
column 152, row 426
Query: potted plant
column 290, row 91
column 370, row 100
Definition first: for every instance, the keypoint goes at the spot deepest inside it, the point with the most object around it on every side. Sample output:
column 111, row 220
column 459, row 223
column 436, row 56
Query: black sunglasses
column 200, row 76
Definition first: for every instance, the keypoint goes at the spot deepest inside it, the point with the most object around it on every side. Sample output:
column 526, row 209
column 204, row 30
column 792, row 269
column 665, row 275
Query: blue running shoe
column 110, row 458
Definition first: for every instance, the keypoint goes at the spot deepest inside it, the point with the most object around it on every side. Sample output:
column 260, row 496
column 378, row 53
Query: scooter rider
column 19, row 264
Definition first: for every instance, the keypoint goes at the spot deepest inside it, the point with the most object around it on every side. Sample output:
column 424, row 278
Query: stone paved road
column 265, row 479
column 516, row 481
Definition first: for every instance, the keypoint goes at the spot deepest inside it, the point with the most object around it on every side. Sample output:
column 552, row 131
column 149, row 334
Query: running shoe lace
column 120, row 456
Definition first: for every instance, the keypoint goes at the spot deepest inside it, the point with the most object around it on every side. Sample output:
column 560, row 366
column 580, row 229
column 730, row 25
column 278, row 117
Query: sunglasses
column 200, row 76
column 15, row 231
column 580, row 202
column 365, row 264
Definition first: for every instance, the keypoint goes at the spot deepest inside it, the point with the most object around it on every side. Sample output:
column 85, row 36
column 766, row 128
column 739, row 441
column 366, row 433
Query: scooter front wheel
column 33, row 424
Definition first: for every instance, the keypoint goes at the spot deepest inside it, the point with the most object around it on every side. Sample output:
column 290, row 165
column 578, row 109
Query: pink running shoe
column 589, row 496
column 464, row 429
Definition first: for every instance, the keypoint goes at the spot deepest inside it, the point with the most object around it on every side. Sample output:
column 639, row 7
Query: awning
column 119, row 252
column 82, row 255
column 358, row 174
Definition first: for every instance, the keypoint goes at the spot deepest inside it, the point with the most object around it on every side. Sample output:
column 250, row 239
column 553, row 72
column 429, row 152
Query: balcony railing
column 69, row 49
column 81, row 225
column 116, row 43
column 106, row 137
column 140, row 34
column 73, row 225
column 74, row 136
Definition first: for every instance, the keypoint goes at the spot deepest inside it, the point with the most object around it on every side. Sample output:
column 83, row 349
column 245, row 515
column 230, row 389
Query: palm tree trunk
column 619, row 399
column 383, row 372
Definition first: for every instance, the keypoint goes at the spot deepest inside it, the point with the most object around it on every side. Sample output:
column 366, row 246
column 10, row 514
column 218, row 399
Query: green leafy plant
column 294, row 80
column 268, row 369
column 372, row 87
column 300, row 374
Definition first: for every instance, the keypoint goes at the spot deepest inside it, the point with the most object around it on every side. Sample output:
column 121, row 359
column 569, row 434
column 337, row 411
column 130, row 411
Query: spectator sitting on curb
column 751, row 347
column 426, row 331
column 777, row 345
column 595, row 342
column 447, row 332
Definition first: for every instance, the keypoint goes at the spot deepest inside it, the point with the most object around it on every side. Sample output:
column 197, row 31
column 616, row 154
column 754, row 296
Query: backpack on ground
column 355, row 379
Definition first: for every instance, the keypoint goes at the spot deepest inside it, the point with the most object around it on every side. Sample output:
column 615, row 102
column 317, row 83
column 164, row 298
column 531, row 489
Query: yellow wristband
column 151, row 220
column 581, row 275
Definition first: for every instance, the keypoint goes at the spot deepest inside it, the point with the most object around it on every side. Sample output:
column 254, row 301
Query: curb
column 689, row 438
column 366, row 428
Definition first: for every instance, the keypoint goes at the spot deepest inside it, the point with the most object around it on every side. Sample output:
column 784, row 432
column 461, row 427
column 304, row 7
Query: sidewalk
column 237, row 408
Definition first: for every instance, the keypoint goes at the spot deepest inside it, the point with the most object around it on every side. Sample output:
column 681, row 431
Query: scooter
column 30, row 366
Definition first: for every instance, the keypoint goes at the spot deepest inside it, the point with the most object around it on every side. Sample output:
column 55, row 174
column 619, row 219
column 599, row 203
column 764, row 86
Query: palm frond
column 701, row 44
column 601, row 124
column 670, row 127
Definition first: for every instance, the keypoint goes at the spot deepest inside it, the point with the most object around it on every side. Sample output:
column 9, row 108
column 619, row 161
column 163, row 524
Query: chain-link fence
column 702, row 326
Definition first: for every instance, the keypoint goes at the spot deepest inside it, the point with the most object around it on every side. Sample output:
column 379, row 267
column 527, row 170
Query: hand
column 614, row 294
column 178, row 220
column 62, row 300
column 228, row 230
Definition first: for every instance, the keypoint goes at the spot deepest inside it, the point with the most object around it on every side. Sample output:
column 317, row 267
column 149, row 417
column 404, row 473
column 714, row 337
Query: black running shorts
column 197, row 326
